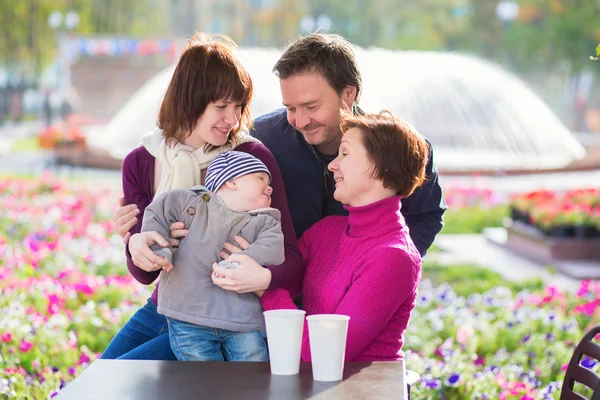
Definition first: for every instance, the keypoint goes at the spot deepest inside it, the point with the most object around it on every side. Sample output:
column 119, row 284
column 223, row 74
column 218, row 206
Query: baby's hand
column 169, row 266
column 228, row 265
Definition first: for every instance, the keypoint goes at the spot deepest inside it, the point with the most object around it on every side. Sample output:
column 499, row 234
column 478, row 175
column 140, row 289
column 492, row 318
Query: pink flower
column 588, row 308
column 6, row 337
column 552, row 293
column 464, row 333
column 83, row 358
column 25, row 346
column 84, row 287
column 54, row 303
column 583, row 288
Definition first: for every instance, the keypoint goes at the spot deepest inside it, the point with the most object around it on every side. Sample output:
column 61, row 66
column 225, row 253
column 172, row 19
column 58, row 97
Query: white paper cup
column 404, row 393
column 284, row 339
column 327, row 334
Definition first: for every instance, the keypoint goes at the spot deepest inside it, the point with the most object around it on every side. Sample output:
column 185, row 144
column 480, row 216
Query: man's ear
column 231, row 184
column 349, row 95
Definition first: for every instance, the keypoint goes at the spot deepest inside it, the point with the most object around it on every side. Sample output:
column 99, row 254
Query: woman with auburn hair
column 364, row 265
column 205, row 112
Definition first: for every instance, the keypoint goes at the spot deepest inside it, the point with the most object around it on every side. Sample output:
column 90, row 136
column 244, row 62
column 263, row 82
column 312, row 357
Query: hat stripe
column 230, row 165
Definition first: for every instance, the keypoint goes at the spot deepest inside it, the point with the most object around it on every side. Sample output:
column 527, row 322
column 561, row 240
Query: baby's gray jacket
column 187, row 292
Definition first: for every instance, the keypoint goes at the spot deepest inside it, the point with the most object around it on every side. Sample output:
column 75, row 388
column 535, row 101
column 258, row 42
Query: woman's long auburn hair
column 207, row 71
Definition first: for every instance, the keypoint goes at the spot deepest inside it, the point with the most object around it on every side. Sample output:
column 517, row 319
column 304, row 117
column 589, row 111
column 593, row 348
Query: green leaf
column 598, row 50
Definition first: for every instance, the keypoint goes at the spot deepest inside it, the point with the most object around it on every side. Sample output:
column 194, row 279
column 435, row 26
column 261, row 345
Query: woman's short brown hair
column 398, row 152
column 207, row 71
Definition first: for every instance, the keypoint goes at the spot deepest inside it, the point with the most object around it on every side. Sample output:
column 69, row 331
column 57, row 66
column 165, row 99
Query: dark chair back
column 577, row 373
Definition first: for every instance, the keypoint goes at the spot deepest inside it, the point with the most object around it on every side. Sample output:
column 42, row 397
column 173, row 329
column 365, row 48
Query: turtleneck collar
column 375, row 218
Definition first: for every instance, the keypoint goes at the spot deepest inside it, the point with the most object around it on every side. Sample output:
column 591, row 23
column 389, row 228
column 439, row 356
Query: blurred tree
column 396, row 24
column 555, row 36
column 431, row 24
column 278, row 22
column 28, row 43
column 553, row 33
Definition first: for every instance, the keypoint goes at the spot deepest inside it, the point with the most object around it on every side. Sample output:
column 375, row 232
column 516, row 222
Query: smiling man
column 320, row 79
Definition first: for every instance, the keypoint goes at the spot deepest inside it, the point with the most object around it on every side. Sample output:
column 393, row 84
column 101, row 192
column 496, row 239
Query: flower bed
column 472, row 209
column 62, row 296
column 64, row 134
column 498, row 344
column 64, row 292
column 573, row 213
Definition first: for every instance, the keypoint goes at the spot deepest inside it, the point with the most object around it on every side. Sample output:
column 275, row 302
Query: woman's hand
column 125, row 219
column 248, row 277
column 143, row 256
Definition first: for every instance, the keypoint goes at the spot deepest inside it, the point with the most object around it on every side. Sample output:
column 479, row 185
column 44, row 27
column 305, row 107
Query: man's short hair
column 398, row 152
column 328, row 54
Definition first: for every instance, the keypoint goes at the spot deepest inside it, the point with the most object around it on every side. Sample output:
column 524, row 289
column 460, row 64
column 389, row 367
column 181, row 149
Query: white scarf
column 182, row 165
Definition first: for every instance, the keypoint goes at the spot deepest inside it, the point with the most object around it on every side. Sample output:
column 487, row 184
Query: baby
column 207, row 323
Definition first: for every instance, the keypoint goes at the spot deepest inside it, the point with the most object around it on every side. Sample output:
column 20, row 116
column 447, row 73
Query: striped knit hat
column 229, row 165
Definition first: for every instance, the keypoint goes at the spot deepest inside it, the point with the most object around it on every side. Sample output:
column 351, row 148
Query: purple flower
column 494, row 369
column 433, row 384
column 588, row 362
column 453, row 380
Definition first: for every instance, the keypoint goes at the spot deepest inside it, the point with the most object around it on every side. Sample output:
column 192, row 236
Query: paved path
column 476, row 249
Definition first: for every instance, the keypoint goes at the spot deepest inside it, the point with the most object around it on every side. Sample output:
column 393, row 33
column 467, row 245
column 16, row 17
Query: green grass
column 433, row 249
column 19, row 175
column 473, row 219
column 466, row 279
column 26, row 144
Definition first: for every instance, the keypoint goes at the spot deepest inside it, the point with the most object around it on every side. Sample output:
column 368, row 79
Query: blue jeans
column 192, row 342
column 144, row 337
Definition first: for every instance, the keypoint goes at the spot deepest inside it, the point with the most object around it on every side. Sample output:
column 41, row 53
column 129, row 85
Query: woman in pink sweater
column 364, row 265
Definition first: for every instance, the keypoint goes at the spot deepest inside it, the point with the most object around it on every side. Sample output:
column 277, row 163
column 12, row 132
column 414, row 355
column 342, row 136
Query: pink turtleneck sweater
column 366, row 266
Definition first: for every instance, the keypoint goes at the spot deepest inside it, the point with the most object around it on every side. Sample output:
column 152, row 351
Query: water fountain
column 478, row 116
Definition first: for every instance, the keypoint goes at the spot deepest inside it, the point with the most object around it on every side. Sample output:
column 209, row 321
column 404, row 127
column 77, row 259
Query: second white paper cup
column 284, row 339
column 327, row 334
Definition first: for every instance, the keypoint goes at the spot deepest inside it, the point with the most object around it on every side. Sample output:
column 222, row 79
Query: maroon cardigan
column 138, row 188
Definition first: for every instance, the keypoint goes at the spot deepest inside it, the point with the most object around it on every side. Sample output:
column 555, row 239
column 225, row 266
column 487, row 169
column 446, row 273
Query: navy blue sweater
column 309, row 185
